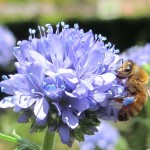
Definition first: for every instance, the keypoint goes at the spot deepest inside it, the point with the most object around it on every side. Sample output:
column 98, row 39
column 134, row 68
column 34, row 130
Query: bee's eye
column 137, row 79
column 128, row 69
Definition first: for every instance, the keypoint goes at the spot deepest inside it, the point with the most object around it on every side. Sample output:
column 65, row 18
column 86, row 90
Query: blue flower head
column 106, row 138
column 7, row 42
column 139, row 54
column 65, row 81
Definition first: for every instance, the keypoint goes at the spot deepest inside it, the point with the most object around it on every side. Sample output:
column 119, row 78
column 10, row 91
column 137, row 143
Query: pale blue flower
column 7, row 43
column 105, row 139
column 139, row 54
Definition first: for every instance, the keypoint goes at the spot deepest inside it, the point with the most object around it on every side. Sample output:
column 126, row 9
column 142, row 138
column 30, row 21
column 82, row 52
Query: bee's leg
column 120, row 61
column 117, row 66
column 122, row 116
column 117, row 102
column 120, row 102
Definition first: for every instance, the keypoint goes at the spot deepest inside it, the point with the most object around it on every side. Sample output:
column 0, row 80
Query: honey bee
column 136, row 85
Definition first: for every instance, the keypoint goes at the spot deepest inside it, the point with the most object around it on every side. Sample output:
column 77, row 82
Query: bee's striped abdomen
column 133, row 109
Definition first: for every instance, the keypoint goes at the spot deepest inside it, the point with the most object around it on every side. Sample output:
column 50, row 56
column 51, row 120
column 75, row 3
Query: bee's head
column 126, row 69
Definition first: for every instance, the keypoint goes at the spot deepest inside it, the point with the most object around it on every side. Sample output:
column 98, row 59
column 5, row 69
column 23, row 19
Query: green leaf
column 87, row 126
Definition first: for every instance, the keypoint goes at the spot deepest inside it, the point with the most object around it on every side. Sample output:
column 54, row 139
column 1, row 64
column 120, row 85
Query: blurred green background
column 124, row 22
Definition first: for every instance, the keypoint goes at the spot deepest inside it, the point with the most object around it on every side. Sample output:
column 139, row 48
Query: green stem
column 8, row 138
column 49, row 141
column 148, row 115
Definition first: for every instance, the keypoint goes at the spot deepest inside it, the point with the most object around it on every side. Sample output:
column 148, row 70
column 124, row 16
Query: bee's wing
column 146, row 88
column 123, row 101
column 116, row 103
column 143, row 76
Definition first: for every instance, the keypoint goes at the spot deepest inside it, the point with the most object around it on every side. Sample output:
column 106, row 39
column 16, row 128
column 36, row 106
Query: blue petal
column 17, row 108
column 104, row 81
column 50, row 80
column 22, row 100
column 95, row 58
column 104, row 103
column 41, row 59
column 72, row 95
column 79, row 91
column 23, row 118
column 36, row 69
column 25, row 46
column 7, row 87
column 69, row 76
column 40, row 122
column 84, row 44
column 98, row 80
column 90, row 145
column 99, row 97
column 69, row 118
column 7, row 102
column 80, row 104
column 21, row 52
column 87, row 85
column 64, row 133
column 98, row 46
column 41, row 108
column 42, row 46
column 19, row 55
column 91, row 62
column 67, row 63
column 58, row 107
column 20, row 83
column 34, row 82
column 116, row 63
column 73, row 57
column 56, row 49
column 109, row 57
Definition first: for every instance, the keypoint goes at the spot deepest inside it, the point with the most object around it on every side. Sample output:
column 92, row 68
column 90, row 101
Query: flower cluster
column 139, row 54
column 106, row 138
column 65, row 81
column 7, row 42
